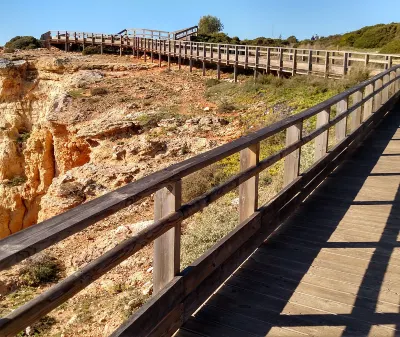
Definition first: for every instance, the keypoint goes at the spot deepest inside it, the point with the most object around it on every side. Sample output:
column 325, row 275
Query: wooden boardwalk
column 333, row 269
column 280, row 60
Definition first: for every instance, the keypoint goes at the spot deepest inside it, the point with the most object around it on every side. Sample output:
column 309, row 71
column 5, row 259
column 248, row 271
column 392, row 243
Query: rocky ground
column 74, row 127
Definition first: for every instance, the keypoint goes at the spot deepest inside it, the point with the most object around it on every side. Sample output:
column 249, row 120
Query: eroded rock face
column 33, row 150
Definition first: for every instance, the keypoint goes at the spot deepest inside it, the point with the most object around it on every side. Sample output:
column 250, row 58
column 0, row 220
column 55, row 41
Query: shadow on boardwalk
column 333, row 269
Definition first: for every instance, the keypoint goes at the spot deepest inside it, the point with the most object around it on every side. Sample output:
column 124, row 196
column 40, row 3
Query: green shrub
column 16, row 181
column 23, row 137
column 211, row 82
column 40, row 269
column 98, row 91
column 225, row 107
column 91, row 50
column 9, row 50
column 23, row 42
column 393, row 47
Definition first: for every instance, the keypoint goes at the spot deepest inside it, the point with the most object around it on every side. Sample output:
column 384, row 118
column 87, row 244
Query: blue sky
column 246, row 19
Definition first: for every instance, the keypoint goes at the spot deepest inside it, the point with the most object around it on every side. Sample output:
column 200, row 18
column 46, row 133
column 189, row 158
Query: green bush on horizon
column 23, row 42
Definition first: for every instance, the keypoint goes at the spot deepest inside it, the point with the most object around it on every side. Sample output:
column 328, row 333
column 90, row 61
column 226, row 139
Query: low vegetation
column 98, row 91
column 40, row 269
column 22, row 42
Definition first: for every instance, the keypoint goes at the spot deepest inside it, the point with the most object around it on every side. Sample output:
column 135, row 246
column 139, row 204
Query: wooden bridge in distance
column 173, row 47
column 318, row 259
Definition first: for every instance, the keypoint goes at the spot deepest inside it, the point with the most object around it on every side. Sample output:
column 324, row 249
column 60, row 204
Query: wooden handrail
column 25, row 243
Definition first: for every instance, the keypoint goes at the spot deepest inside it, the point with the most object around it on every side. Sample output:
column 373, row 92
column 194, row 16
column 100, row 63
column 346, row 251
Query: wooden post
column 368, row 105
column 256, row 62
column 120, row 47
column 190, row 56
column 378, row 96
column 169, row 54
column 292, row 161
column 211, row 52
column 167, row 247
column 268, row 67
column 366, row 61
column 326, row 64
column 294, row 63
column 309, row 62
column 248, row 191
column 235, row 70
column 101, row 45
column 180, row 55
column 333, row 58
column 356, row 114
column 246, row 57
column 392, row 86
column 317, row 56
column 397, row 82
column 345, row 65
column 321, row 141
column 280, row 72
column 137, row 47
column 159, row 55
column 204, row 59
column 340, row 127
column 66, row 41
column 385, row 91
column 219, row 62
column 349, row 59
column 152, row 49
column 197, row 51
column 227, row 54
column 145, row 49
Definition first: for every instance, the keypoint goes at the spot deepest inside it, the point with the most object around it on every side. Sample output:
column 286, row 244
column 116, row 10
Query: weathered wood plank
column 292, row 161
column 248, row 191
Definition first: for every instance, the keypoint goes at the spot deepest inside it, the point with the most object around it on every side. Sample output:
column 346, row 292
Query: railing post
column 180, row 55
column 169, row 54
column 292, row 161
column 356, row 114
column 294, row 63
column 310, row 62
column 366, row 62
column 227, row 54
column 268, row 67
column 385, row 91
column 66, row 41
column 340, row 127
column 159, row 55
column 256, row 63
column 397, row 82
column 378, row 96
column 345, row 63
column 219, row 63
column 204, row 59
column 368, row 105
column 190, row 56
column 246, row 57
column 317, row 56
column 248, row 191
column 167, row 247
column 280, row 72
column 235, row 69
column 392, row 77
column 326, row 64
column 321, row 141
column 120, row 48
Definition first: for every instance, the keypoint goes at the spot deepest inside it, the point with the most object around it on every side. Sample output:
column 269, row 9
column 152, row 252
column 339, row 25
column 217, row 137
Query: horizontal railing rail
column 178, row 294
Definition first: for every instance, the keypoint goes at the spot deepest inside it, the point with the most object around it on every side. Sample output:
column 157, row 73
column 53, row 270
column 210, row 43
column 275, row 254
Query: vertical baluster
column 321, row 141
column 292, row 161
column 340, row 127
column 248, row 191
column 356, row 114
column 167, row 246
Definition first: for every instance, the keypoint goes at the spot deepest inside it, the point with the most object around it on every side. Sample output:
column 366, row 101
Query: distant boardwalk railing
column 292, row 61
column 177, row 294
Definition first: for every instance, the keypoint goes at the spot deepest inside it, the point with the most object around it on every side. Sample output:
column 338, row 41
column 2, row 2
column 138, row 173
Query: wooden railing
column 179, row 293
column 282, row 60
